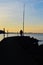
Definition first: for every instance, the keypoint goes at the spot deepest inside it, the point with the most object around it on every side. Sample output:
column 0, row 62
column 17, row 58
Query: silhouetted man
column 21, row 33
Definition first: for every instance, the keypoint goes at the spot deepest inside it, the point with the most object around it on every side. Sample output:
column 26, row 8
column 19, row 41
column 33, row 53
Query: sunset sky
column 11, row 15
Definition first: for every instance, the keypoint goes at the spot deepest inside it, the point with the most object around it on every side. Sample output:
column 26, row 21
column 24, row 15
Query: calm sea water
column 37, row 36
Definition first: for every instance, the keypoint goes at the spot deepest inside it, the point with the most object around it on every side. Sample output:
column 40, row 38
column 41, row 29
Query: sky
column 11, row 15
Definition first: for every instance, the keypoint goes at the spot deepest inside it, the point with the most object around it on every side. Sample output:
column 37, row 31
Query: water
column 37, row 36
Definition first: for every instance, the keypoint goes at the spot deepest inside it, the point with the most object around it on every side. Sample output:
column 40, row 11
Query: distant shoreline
column 19, row 33
column 24, row 33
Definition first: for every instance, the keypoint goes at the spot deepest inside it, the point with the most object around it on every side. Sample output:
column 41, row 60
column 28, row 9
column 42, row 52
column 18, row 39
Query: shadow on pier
column 24, row 50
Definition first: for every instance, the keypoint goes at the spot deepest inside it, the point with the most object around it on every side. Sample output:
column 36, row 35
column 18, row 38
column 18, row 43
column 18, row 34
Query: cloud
column 11, row 12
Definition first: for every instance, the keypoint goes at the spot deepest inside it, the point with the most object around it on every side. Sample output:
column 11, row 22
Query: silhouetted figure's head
column 21, row 33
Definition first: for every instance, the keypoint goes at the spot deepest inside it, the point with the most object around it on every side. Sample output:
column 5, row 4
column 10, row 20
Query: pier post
column 7, row 33
column 4, row 33
column 23, row 17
